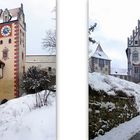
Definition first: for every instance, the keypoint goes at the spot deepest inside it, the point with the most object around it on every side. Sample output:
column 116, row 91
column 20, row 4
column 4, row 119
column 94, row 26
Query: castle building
column 99, row 61
column 12, row 51
column 133, row 55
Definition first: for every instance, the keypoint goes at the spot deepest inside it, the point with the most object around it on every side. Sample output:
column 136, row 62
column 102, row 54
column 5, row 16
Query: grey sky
column 39, row 18
column 115, row 21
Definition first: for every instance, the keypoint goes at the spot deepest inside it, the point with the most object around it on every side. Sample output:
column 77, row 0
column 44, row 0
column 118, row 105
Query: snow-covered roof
column 13, row 12
column 118, row 71
column 99, row 53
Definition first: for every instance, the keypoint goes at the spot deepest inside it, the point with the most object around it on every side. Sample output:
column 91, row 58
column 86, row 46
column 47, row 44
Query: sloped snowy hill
column 20, row 120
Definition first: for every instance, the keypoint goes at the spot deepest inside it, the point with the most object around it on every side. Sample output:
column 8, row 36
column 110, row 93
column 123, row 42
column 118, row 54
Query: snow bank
column 21, row 120
column 110, row 84
column 123, row 132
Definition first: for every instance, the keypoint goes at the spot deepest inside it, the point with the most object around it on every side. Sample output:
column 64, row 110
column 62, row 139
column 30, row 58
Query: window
column 136, row 42
column 49, row 69
column 22, row 55
column 121, row 76
column 106, row 62
column 10, row 41
column 135, row 56
column 95, row 60
column 6, row 18
column 136, row 70
column 20, row 36
column 101, row 63
column 20, row 40
column 1, row 42
column 23, row 69
column 5, row 53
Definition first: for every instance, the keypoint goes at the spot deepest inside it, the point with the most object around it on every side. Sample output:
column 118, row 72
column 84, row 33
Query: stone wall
column 108, row 111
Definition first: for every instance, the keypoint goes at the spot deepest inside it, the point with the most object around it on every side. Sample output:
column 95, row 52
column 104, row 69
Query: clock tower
column 12, row 51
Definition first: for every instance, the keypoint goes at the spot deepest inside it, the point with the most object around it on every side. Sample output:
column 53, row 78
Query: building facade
column 99, row 61
column 47, row 62
column 12, row 51
column 120, row 73
column 133, row 54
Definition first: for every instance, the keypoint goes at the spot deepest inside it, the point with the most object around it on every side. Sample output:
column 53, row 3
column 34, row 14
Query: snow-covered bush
column 36, row 80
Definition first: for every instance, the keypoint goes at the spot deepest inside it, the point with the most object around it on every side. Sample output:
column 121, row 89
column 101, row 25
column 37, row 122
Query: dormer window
column 6, row 16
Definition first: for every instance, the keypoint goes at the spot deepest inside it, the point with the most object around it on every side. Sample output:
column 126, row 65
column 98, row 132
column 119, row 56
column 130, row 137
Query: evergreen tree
column 90, row 30
column 35, row 80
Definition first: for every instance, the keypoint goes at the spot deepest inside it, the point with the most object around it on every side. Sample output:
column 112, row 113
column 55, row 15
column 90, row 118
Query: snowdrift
column 20, row 119
column 112, row 101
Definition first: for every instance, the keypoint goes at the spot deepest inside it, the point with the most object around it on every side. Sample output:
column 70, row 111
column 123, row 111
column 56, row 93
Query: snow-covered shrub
column 36, row 80
column 3, row 101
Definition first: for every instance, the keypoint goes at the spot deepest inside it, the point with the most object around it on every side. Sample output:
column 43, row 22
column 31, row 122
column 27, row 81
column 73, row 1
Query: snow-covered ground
column 123, row 132
column 21, row 120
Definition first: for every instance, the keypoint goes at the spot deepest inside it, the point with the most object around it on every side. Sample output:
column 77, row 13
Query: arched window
column 135, row 56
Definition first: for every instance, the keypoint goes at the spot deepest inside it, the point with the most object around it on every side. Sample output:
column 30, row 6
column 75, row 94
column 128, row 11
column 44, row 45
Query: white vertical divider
column 72, row 80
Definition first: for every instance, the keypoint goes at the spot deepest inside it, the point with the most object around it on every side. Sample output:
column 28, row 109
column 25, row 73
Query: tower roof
column 99, row 53
column 13, row 13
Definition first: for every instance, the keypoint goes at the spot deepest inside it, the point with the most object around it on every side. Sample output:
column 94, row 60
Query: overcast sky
column 115, row 21
column 39, row 18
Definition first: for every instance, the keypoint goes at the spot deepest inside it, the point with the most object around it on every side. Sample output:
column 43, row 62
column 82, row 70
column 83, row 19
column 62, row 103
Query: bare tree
column 49, row 42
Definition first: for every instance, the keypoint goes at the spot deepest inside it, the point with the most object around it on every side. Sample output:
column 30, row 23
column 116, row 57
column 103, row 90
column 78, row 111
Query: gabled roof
column 99, row 53
column 12, row 13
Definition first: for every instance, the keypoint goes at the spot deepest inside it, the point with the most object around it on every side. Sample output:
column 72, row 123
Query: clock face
column 6, row 30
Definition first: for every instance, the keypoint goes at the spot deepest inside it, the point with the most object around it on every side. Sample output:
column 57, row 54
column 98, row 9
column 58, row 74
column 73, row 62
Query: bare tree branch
column 50, row 40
